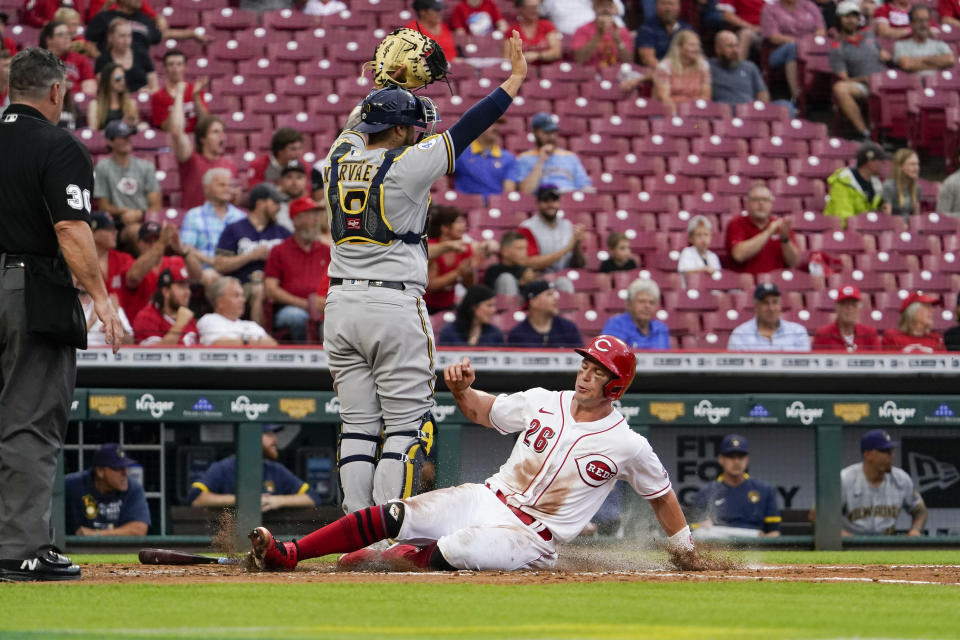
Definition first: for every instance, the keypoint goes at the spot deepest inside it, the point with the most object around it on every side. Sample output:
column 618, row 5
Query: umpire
column 46, row 177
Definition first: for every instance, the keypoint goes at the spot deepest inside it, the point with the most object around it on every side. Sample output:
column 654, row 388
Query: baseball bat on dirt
column 168, row 556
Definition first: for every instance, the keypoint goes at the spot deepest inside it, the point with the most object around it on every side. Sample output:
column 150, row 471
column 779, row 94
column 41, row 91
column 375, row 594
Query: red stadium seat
column 203, row 67
column 794, row 187
column 694, row 166
column 671, row 184
column 947, row 262
column 545, row 89
column 641, row 108
column 934, row 224
column 798, row 129
column 836, row 242
column 763, row 111
column 867, row 281
column 229, row 19
column 906, row 242
column 677, row 127
column 589, row 322
column 887, row 262
column 777, row 147
column 618, row 126
column 601, row 90
column 285, row 19
column 240, row 86
column 566, row 72
column 844, row 150
column 266, row 67
column 150, row 140
column 646, row 202
column 703, row 110
column 240, row 122
column 926, row 118
column 792, row 280
column 691, row 300
column 719, row 147
column 814, row 167
column 598, row 145
column 93, row 140
column 581, row 108
column 680, row 323
column 739, row 128
column 631, row 164
column 680, row 221
column 273, row 104
column 888, row 101
column 929, row 281
column 725, row 280
column 709, row 204
column 660, row 146
column 873, row 222
column 243, row 49
column 756, row 168
column 732, row 185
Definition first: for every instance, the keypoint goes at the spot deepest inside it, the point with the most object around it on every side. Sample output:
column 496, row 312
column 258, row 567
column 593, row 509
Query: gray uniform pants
column 380, row 347
column 36, row 389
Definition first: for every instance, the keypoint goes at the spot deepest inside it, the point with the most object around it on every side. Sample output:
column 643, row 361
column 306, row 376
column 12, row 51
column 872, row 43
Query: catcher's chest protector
column 357, row 215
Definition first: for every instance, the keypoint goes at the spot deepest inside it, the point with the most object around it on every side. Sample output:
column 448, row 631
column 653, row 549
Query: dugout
column 803, row 414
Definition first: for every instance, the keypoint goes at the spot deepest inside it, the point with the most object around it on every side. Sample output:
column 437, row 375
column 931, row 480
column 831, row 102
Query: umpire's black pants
column 37, row 377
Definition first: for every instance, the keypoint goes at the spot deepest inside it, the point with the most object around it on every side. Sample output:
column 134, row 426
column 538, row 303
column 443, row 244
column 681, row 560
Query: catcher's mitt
column 409, row 59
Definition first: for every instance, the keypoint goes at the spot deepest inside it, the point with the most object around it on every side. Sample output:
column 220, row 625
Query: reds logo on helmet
column 616, row 357
column 596, row 469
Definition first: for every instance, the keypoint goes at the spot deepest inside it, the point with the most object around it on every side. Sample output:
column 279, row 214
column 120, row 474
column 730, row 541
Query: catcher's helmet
column 616, row 357
column 392, row 106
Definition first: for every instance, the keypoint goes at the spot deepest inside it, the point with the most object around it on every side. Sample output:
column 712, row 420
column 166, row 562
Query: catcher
column 377, row 335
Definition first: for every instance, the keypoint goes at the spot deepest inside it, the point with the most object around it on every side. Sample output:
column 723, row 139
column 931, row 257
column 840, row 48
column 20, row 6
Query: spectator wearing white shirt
column 767, row 331
column 95, row 335
column 224, row 327
column 698, row 257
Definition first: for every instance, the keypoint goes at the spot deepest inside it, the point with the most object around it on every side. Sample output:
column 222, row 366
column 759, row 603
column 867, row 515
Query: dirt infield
column 321, row 573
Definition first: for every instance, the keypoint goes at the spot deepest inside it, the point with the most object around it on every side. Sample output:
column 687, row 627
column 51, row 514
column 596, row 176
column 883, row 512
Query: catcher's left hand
column 409, row 59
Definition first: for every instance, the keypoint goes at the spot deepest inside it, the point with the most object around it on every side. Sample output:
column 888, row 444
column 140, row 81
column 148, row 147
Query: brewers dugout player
column 377, row 334
column 45, row 181
column 874, row 491
column 736, row 504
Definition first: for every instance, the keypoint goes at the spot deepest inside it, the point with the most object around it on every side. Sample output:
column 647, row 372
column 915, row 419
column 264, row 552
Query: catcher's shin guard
column 405, row 449
column 356, row 462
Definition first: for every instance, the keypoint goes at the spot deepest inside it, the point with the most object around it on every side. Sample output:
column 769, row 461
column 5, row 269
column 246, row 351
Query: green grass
column 608, row 610
column 466, row 611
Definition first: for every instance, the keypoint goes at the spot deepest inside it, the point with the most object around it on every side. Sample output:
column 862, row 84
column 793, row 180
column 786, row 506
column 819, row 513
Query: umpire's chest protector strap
column 369, row 224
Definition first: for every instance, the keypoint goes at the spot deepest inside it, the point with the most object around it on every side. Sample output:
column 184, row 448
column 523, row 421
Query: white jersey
column 874, row 510
column 561, row 471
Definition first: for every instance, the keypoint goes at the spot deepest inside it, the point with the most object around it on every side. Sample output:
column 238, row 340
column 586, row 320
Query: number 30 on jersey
column 77, row 199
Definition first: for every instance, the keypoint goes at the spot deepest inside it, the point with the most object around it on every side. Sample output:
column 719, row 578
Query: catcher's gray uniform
column 869, row 510
column 377, row 335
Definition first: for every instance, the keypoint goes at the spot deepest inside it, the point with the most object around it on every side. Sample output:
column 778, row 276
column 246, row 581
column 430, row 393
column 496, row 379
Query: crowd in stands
column 641, row 186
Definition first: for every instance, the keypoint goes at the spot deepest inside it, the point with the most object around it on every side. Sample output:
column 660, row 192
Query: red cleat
column 270, row 554
column 399, row 557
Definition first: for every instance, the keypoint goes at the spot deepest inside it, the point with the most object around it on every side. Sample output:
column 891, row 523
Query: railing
column 800, row 437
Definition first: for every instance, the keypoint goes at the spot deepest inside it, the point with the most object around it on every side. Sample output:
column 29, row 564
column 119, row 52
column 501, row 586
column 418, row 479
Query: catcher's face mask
column 429, row 117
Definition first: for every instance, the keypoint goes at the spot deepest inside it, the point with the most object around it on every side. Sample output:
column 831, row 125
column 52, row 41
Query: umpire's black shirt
column 45, row 173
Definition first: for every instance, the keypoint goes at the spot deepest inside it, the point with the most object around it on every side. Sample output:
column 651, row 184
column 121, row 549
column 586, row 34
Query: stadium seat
column 680, row 323
column 926, row 118
column 934, row 224
column 677, row 127
column 719, row 147
column 906, row 242
column 229, row 19
column 645, row 202
column 888, row 101
column 755, row 168
column 694, row 166
column 726, row 280
column 243, row 49
column 285, row 20
column 873, row 222
column 777, row 147
column 150, row 140
column 93, row 140
column 703, row 110
column 266, row 67
column 794, row 187
column 710, row 205
column 691, row 300
column 843, row 150
column 240, row 86
column 792, row 280
column 599, row 145
column 732, row 185
column 836, row 242
column 887, row 262
column 641, row 108
column 618, row 126
column 589, row 322
column 581, row 108
column 273, row 104
column 797, row 129
column 740, row 129
column 762, row 111
column 660, row 146
column 814, row 167
column 816, row 222
column 925, row 280
column 671, row 184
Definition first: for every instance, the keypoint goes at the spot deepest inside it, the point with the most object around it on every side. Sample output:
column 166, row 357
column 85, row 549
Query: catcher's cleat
column 270, row 554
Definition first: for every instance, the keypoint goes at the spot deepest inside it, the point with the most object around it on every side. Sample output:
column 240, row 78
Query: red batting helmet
column 617, row 358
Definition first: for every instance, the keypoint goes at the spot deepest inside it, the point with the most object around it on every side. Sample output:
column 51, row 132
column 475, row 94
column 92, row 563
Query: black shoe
column 47, row 564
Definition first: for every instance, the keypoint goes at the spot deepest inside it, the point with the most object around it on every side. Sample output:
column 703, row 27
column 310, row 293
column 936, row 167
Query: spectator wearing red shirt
column 541, row 39
column 476, row 17
column 295, row 276
column 601, row 43
column 759, row 242
column 285, row 147
column 453, row 263
column 914, row 332
column 142, row 276
column 743, row 17
column 205, row 151
column 113, row 264
column 55, row 37
column 190, row 93
column 847, row 334
column 429, row 20
column 167, row 319
column 5, row 59
column 5, row 42
column 892, row 20
column 949, row 11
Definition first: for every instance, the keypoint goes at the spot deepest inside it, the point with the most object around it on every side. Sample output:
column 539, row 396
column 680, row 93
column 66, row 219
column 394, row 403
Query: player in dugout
column 574, row 446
